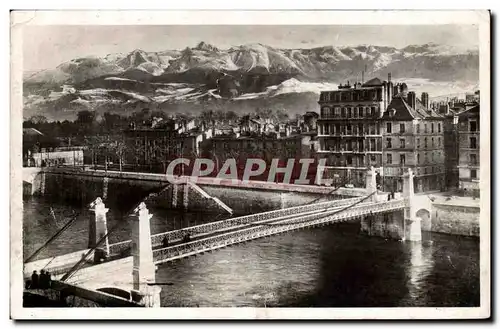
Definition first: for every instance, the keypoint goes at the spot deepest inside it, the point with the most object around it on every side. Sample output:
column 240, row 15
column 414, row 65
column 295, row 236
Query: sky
column 46, row 47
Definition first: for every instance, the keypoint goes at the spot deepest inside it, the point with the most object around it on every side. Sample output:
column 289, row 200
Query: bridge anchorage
column 378, row 213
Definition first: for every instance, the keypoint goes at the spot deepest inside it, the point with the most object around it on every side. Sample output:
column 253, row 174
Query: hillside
column 181, row 80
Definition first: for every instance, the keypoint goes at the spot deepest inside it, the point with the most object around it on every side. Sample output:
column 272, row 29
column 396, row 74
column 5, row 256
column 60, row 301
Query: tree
column 119, row 148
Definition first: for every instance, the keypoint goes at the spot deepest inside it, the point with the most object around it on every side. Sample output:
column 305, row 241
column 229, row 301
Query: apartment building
column 349, row 129
column 413, row 137
column 469, row 151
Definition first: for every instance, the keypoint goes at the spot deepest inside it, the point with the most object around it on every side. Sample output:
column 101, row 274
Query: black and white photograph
column 250, row 165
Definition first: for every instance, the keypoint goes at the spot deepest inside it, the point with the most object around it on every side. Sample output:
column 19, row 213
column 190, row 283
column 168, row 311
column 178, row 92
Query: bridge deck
column 119, row 273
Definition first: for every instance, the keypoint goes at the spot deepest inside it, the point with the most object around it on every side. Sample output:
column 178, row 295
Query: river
column 331, row 266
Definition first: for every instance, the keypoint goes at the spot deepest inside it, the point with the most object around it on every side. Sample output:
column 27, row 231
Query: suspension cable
column 348, row 180
column 77, row 266
column 57, row 234
column 334, row 213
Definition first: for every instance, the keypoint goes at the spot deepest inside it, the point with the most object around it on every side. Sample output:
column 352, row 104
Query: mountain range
column 240, row 78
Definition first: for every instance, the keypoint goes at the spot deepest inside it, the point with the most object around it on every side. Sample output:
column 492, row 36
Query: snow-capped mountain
column 206, row 74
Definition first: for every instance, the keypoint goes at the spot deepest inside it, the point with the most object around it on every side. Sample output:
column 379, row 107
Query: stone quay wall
column 455, row 219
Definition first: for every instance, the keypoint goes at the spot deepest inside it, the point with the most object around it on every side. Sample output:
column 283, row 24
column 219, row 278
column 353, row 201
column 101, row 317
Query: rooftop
column 405, row 112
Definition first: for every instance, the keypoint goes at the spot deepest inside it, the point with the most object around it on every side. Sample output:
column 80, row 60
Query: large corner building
column 380, row 124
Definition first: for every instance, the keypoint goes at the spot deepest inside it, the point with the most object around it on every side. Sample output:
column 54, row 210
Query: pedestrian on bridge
column 49, row 279
column 187, row 238
column 34, row 280
column 42, row 280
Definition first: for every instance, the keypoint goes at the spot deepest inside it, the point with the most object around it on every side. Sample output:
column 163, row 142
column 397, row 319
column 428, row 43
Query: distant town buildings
column 156, row 144
column 360, row 125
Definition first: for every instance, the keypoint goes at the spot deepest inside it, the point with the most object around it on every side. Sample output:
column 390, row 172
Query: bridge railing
column 156, row 240
column 221, row 240
column 225, row 239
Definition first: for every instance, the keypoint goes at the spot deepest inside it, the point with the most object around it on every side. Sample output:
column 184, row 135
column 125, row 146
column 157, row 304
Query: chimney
column 363, row 76
column 412, row 99
column 390, row 89
column 425, row 100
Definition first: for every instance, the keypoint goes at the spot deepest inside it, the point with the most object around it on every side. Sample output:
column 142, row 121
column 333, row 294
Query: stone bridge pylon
column 403, row 224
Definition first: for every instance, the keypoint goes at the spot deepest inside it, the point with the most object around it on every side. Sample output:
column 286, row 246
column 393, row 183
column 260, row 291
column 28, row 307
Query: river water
column 331, row 266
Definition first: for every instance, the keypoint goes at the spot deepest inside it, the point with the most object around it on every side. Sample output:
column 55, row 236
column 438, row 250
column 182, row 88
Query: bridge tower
column 99, row 227
column 371, row 183
column 413, row 230
column 143, row 271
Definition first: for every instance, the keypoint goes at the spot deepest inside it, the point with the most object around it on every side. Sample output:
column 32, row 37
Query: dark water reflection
column 332, row 266
column 329, row 267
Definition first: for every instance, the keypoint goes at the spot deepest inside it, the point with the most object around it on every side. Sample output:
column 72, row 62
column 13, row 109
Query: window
column 473, row 126
column 389, row 143
column 402, row 143
column 439, row 127
column 473, row 174
column 342, row 112
column 337, row 129
column 425, row 142
column 401, row 127
column 360, row 128
column 374, row 110
column 418, row 128
column 373, row 158
column 432, row 142
column 402, row 159
column 432, row 128
column 425, row 157
column 373, row 145
column 361, row 112
column 355, row 112
column 473, row 159
column 349, row 160
column 473, row 144
column 389, row 158
column 425, row 127
column 349, row 129
column 349, row 112
column 418, row 143
column 368, row 112
column 389, row 127
column 439, row 142
column 418, row 158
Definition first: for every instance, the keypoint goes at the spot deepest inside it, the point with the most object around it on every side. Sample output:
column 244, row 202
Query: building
column 451, row 110
column 349, row 132
column 59, row 156
column 450, row 149
column 468, row 151
column 35, row 143
column 153, row 147
column 413, row 137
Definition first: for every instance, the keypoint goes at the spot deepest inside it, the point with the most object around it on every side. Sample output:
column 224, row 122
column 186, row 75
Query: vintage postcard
column 250, row 165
